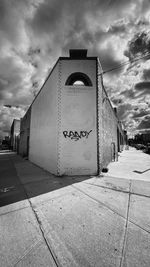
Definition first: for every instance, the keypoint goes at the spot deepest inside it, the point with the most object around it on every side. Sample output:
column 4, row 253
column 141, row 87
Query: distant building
column 146, row 138
column 14, row 135
column 25, row 134
column 71, row 127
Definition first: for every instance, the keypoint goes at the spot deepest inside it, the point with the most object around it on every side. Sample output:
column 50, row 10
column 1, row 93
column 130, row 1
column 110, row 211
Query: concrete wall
column 25, row 134
column 43, row 130
column 77, row 153
column 109, row 131
column 107, row 126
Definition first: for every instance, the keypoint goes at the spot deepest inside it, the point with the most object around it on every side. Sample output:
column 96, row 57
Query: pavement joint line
column 37, row 181
column 95, row 200
column 40, row 227
column 43, row 234
column 118, row 190
column 122, row 178
column 132, row 222
column 59, row 244
column 48, row 200
column 5, row 213
column 126, row 228
column 106, row 187
column 28, row 251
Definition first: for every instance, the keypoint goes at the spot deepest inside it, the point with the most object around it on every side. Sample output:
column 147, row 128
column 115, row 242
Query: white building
column 73, row 128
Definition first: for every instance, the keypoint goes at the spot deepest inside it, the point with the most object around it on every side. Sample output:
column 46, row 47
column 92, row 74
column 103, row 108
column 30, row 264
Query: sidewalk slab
column 139, row 211
column 59, row 193
column 39, row 255
column 137, row 252
column 137, row 246
column 14, row 207
column 81, row 231
column 82, row 219
column 110, row 182
column 131, row 164
column 19, row 232
column 113, row 200
column 140, row 187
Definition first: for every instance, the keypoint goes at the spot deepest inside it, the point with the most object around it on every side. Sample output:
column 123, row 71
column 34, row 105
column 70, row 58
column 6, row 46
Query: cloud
column 130, row 94
column 140, row 113
column 6, row 118
column 119, row 27
column 144, row 124
column 145, row 86
column 117, row 101
column 124, row 110
column 139, row 45
column 146, row 74
column 34, row 33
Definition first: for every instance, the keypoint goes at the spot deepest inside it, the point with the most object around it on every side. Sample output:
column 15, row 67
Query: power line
column 124, row 63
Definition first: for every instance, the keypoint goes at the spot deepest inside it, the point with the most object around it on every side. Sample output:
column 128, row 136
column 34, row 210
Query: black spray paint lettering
column 74, row 135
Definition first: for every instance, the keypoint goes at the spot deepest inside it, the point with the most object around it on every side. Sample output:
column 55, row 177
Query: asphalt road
column 11, row 189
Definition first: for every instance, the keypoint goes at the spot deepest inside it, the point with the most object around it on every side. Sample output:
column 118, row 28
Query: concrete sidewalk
column 78, row 221
column 131, row 164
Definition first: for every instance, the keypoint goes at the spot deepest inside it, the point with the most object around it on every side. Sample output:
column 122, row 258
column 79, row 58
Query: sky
column 34, row 33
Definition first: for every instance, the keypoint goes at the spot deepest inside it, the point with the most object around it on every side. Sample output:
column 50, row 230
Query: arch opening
column 78, row 78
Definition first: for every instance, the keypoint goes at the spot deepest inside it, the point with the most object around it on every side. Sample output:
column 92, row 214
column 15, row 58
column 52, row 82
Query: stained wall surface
column 108, row 123
column 25, row 134
column 78, row 120
column 109, row 131
column 44, row 119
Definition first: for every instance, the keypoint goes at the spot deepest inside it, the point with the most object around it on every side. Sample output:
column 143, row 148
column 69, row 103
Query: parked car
column 147, row 150
column 4, row 147
column 140, row 146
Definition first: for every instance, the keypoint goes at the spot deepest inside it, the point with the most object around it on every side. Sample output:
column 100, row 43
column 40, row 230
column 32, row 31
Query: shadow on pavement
column 142, row 171
column 20, row 179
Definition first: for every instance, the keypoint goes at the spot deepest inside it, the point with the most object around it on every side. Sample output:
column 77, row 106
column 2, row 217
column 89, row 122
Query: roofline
column 45, row 81
column 85, row 58
column 59, row 59
column 69, row 58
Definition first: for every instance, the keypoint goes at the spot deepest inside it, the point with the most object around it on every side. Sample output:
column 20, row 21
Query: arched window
column 78, row 78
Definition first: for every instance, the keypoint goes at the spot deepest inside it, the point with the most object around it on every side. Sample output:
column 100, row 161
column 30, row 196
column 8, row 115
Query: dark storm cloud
column 124, row 110
column 143, row 86
column 117, row 101
column 128, row 93
column 144, row 124
column 146, row 74
column 140, row 113
column 142, row 89
column 138, row 46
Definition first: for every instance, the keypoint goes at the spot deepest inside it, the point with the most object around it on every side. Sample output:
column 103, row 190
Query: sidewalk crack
column 44, row 236
column 126, row 228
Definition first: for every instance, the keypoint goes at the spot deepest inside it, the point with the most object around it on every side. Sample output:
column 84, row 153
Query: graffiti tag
column 74, row 135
